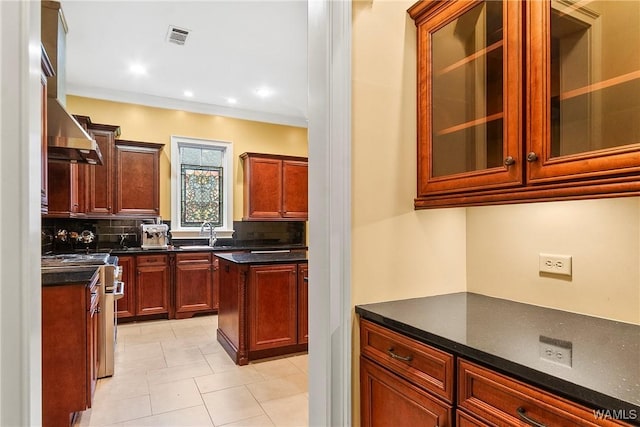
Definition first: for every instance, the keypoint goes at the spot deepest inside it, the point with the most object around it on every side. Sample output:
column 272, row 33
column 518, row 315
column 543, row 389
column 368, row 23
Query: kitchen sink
column 197, row 247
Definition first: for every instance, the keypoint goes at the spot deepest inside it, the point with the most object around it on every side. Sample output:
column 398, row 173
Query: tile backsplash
column 65, row 234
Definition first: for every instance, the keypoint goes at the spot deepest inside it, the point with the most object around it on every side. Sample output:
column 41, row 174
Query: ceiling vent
column 177, row 35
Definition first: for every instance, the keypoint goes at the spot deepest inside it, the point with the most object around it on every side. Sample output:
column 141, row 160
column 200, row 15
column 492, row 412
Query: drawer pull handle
column 395, row 356
column 526, row 419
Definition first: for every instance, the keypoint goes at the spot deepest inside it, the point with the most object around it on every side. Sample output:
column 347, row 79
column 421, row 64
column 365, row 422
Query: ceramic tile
column 196, row 416
column 119, row 411
column 183, row 356
column 220, row 362
column 261, row 421
column 228, row 379
column 301, row 362
column 275, row 368
column 166, row 369
column 139, row 367
column 278, row 388
column 169, row 374
column 121, row 387
column 174, row 395
column 292, row 411
column 230, row 405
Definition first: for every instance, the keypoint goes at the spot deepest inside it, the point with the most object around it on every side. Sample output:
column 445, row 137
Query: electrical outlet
column 555, row 264
column 555, row 350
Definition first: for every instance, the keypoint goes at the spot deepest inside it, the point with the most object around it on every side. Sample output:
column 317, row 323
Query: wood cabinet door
column 469, row 95
column 126, row 306
column 100, row 185
column 295, row 189
column 65, row 313
column 584, row 105
column 63, row 188
column 263, row 188
column 388, row 400
column 194, row 282
column 272, row 306
column 137, row 178
column 303, row 304
column 152, row 289
column 215, row 278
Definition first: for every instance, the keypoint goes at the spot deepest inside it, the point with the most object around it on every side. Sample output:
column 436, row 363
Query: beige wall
column 602, row 236
column 400, row 253
column 142, row 123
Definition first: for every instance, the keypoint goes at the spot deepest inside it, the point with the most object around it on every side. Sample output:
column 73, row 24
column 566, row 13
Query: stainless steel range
column 111, row 289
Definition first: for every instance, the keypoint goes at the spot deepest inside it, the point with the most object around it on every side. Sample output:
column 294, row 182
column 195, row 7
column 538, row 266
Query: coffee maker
column 155, row 236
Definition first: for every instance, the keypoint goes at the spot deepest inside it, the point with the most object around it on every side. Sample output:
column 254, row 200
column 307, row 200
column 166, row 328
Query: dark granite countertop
column 264, row 258
column 506, row 336
column 204, row 248
column 68, row 275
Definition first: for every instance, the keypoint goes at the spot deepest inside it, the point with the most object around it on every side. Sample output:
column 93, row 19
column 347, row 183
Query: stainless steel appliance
column 111, row 278
column 155, row 236
column 111, row 288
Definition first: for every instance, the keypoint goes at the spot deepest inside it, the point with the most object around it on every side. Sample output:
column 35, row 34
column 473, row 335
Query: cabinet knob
column 509, row 161
column 532, row 157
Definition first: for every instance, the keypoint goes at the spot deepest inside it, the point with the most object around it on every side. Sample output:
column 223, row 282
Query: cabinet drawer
column 194, row 258
column 421, row 364
column 388, row 400
column 151, row 260
column 508, row 402
column 466, row 420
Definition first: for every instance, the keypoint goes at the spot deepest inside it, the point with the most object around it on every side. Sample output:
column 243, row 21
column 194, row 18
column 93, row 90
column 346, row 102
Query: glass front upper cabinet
column 585, row 88
column 527, row 100
column 470, row 62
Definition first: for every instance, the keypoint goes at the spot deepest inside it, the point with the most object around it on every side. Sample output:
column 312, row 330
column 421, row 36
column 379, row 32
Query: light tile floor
column 174, row 373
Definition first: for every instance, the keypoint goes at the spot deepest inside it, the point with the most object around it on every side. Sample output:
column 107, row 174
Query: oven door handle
column 118, row 290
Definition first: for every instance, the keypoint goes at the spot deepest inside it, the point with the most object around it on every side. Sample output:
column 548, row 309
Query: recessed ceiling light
column 188, row 93
column 232, row 100
column 263, row 92
column 138, row 69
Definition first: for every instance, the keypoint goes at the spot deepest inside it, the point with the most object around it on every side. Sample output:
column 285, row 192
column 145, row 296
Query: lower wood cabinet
column 259, row 313
column 404, row 382
column 272, row 306
column 70, row 354
column 176, row 285
column 495, row 399
column 389, row 400
column 147, row 283
column 194, row 282
column 126, row 306
column 303, row 303
column 152, row 284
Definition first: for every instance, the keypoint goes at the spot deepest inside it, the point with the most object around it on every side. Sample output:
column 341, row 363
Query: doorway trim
column 329, row 64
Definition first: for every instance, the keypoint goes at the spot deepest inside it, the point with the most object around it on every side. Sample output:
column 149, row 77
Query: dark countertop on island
column 506, row 336
column 264, row 258
column 68, row 276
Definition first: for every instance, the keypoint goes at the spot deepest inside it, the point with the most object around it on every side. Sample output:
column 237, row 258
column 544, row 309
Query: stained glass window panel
column 211, row 157
column 201, row 195
column 190, row 155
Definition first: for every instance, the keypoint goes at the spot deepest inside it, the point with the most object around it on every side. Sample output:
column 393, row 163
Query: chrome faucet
column 212, row 232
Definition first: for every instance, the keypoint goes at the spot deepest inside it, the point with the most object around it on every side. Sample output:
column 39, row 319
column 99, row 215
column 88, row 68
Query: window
column 202, row 189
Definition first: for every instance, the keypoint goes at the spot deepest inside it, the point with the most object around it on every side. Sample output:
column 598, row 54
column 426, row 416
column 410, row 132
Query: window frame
column 177, row 231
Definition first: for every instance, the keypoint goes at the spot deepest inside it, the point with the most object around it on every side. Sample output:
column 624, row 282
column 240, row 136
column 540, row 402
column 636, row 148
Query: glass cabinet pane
column 595, row 75
column 467, row 91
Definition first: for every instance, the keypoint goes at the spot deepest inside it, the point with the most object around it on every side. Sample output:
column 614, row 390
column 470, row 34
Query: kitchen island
column 511, row 361
column 262, row 304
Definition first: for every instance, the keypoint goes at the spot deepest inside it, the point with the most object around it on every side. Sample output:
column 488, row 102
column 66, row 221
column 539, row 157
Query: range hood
column 67, row 140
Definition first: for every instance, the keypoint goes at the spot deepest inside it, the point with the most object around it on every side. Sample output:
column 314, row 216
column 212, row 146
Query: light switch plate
column 555, row 264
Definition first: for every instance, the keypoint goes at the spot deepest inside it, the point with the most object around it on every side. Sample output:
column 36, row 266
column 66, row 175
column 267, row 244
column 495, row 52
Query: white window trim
column 226, row 231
